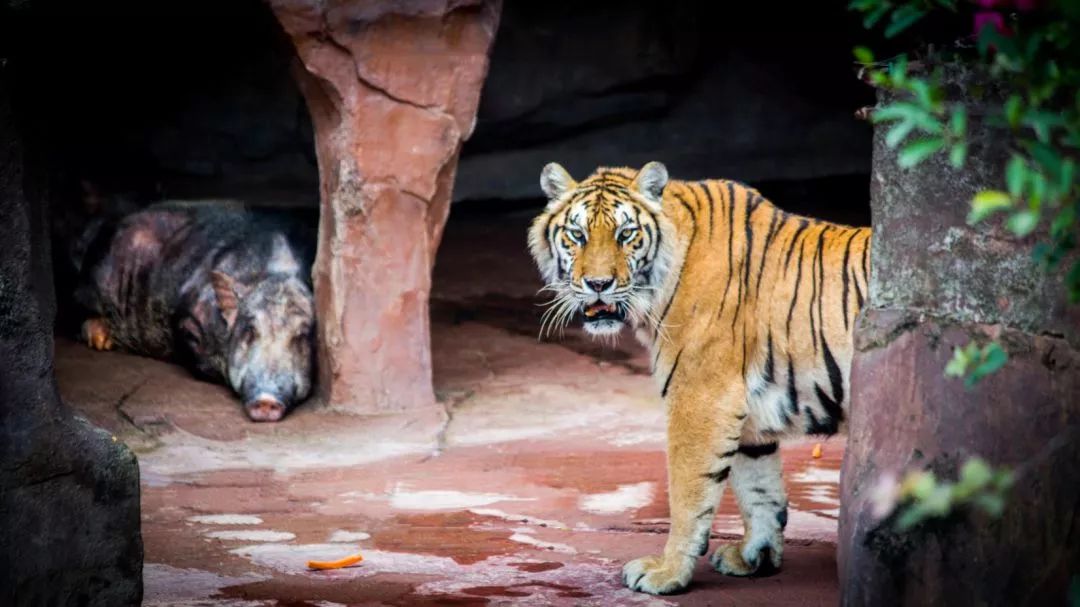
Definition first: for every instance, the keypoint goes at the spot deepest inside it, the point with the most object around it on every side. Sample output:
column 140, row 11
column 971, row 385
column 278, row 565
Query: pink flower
column 1020, row 5
column 885, row 495
column 984, row 18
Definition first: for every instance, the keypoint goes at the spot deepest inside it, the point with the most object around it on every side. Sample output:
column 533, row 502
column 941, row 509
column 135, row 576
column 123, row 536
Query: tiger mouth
column 598, row 311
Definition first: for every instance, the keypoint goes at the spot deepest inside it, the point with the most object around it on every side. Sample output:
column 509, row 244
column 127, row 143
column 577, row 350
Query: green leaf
column 1023, row 222
column 1032, row 47
column 903, row 18
column 1067, row 182
column 987, row 203
column 1042, row 122
column 874, row 16
column 911, row 517
column 958, row 366
column 924, row 94
column 917, row 151
column 1061, row 224
column 861, row 5
column 993, row 505
column 993, row 358
column 899, row 132
column 1037, row 191
column 958, row 124
column 958, row 154
column 898, row 71
column 939, row 502
column 1003, row 479
column 1015, row 175
column 1049, row 158
column 975, row 473
column 1014, row 106
column 1072, row 281
column 894, row 111
column 1046, row 256
column 905, row 110
column 864, row 55
column 921, row 484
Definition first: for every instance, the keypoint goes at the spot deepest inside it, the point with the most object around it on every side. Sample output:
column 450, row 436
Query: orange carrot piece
column 816, row 453
column 338, row 564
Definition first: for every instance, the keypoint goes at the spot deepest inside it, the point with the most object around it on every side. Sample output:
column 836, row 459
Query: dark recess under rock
column 206, row 105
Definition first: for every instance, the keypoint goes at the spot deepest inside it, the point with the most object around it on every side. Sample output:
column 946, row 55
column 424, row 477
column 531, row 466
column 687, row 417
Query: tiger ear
column 651, row 181
column 555, row 181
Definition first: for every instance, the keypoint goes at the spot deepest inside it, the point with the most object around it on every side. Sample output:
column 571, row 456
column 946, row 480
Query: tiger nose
column 599, row 285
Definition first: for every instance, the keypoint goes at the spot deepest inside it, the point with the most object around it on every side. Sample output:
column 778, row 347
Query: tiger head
column 600, row 246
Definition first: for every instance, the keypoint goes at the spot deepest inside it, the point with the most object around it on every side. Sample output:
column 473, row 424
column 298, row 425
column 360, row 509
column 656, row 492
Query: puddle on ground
column 622, row 499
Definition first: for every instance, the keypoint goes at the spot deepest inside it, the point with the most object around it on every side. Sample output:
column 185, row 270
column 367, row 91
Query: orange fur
column 748, row 312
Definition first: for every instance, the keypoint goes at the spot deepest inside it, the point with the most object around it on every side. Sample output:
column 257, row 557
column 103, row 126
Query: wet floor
column 544, row 474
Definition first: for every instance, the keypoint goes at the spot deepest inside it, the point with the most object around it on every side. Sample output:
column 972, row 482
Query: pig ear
column 282, row 260
column 227, row 299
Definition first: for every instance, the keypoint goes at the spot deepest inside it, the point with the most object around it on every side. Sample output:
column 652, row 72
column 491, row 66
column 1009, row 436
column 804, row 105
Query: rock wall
column 935, row 284
column 69, row 492
column 743, row 90
column 393, row 91
column 711, row 88
column 203, row 103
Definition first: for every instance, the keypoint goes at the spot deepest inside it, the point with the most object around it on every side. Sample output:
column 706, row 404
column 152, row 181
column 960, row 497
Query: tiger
column 748, row 314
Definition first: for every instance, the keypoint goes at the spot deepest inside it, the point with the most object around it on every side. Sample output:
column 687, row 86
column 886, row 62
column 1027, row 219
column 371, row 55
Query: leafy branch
column 921, row 496
column 1034, row 53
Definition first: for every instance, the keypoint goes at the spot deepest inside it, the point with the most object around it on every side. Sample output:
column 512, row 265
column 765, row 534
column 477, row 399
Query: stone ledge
column 904, row 414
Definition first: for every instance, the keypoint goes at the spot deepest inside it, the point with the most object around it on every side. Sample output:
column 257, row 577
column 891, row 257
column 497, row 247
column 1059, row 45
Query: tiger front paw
column 96, row 333
column 654, row 575
column 759, row 558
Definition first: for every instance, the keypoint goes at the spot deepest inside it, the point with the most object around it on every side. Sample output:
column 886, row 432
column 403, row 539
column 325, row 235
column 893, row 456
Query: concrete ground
column 544, row 472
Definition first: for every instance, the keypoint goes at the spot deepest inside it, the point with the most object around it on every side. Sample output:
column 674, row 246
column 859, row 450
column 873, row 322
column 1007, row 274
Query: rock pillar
column 392, row 89
column 935, row 284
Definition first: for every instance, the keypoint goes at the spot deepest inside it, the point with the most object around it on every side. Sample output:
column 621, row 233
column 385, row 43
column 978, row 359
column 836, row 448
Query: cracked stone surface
column 392, row 89
column 548, row 475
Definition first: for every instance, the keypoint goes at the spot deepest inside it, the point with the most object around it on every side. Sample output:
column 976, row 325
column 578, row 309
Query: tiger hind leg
column 759, row 490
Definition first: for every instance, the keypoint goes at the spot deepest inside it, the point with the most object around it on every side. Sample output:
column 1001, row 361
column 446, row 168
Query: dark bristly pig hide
column 220, row 287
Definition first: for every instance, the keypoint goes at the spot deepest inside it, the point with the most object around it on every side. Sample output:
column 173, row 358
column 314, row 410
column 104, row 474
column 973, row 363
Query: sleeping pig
column 222, row 288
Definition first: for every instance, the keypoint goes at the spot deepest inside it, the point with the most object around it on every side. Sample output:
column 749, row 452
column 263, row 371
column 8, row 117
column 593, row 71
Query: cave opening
column 131, row 105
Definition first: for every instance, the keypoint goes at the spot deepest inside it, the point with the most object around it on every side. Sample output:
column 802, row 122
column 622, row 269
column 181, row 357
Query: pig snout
column 269, row 393
column 271, row 348
column 265, row 408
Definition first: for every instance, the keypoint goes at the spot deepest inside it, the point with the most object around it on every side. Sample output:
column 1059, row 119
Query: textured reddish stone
column 937, row 283
column 392, row 88
column 909, row 416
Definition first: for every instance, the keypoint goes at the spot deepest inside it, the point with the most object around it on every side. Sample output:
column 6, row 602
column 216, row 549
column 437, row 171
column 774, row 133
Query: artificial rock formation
column 936, row 284
column 69, row 492
column 609, row 82
column 392, row 89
